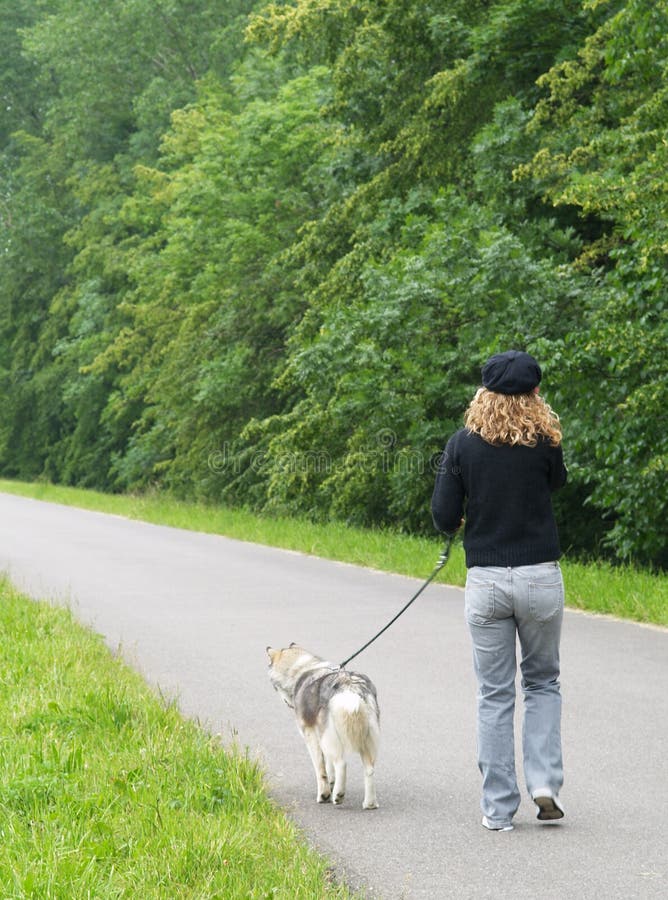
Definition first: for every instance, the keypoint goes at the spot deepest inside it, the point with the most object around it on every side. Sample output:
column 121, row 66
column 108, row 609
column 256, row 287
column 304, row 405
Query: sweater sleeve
column 558, row 472
column 447, row 502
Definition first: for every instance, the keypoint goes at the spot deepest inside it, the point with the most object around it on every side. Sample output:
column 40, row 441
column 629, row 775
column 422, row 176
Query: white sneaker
column 486, row 824
column 549, row 807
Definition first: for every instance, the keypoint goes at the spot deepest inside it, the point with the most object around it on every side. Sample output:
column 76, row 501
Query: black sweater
column 504, row 491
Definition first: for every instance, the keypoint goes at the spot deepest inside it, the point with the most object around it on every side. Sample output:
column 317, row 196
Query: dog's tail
column 355, row 719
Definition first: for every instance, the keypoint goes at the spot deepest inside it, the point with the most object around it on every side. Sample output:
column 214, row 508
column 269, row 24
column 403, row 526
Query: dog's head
column 285, row 668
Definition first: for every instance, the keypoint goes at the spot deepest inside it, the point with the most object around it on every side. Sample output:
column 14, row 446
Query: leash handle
column 442, row 559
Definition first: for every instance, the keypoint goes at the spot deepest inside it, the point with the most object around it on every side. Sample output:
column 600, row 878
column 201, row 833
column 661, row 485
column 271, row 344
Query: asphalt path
column 194, row 613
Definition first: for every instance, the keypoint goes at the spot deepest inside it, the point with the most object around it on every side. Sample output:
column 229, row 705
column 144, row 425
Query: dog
column 337, row 713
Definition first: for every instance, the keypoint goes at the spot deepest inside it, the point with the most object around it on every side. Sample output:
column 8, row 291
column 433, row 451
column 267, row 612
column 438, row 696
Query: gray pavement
column 194, row 613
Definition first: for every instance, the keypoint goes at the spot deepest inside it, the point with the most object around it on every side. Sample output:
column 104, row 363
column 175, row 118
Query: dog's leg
column 368, row 760
column 334, row 752
column 329, row 766
column 312, row 742
column 339, row 780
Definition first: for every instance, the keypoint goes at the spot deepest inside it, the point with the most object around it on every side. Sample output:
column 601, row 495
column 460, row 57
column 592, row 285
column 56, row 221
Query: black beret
column 512, row 372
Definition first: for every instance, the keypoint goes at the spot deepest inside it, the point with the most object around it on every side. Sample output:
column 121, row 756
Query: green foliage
column 603, row 151
column 19, row 101
column 386, row 378
column 207, row 284
column 107, row 78
column 291, row 255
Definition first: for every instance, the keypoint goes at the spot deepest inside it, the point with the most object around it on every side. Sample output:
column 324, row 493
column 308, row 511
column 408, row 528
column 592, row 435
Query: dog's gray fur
column 337, row 713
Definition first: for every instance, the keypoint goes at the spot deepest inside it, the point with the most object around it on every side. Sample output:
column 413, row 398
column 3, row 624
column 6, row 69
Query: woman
column 500, row 471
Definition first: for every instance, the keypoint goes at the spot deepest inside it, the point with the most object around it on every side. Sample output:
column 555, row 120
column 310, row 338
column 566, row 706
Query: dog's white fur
column 337, row 713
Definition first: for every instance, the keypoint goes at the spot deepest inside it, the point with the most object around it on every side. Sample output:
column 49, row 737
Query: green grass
column 107, row 792
column 622, row 591
column 375, row 548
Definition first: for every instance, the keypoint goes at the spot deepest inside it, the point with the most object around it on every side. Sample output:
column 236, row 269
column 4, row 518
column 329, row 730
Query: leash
column 443, row 558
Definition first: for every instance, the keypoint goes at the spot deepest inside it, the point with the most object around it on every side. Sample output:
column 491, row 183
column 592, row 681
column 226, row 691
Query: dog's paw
column 373, row 804
column 338, row 799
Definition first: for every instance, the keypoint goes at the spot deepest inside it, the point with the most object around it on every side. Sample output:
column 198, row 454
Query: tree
column 208, row 286
column 602, row 131
column 105, row 78
column 269, row 271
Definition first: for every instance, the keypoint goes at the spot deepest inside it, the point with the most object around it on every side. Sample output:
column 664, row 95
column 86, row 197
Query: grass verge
column 599, row 587
column 107, row 792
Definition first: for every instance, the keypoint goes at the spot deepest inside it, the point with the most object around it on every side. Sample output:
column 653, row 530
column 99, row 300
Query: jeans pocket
column 546, row 599
column 479, row 601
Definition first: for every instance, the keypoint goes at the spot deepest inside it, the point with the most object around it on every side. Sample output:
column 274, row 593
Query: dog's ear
column 293, row 644
column 271, row 653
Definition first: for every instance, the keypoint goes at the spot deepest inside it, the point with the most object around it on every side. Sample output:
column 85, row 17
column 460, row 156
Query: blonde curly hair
column 512, row 418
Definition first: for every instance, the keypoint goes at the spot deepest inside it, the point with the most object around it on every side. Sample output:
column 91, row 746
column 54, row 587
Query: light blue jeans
column 501, row 605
